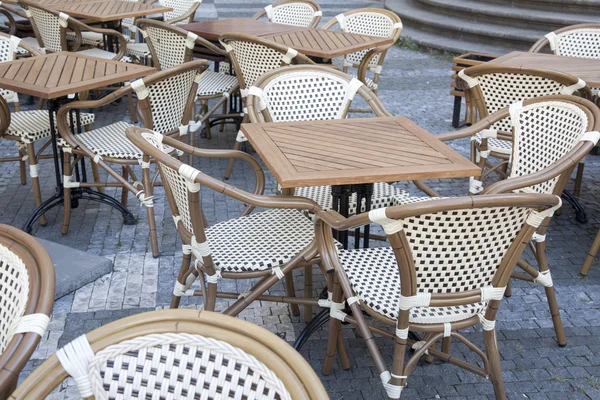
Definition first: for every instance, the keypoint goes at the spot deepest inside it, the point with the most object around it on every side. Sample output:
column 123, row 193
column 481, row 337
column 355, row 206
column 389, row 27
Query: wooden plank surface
column 104, row 11
column 353, row 151
column 212, row 30
column 59, row 74
column 584, row 68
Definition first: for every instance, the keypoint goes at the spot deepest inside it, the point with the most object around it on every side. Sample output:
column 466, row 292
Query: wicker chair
column 26, row 128
column 304, row 13
column 18, row 24
column 409, row 287
column 27, row 287
column 266, row 245
column 308, row 93
column 373, row 22
column 178, row 354
column 171, row 46
column 251, row 57
column 493, row 87
column 164, row 100
column 550, row 132
column 50, row 27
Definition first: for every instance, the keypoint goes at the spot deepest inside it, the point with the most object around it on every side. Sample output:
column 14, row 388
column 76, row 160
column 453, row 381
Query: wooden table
column 584, row 68
column 53, row 77
column 313, row 42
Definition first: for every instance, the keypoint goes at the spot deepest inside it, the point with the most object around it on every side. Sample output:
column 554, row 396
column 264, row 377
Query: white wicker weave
column 48, row 26
column 8, row 48
column 297, row 14
column 581, row 42
column 169, row 46
column 180, row 7
column 34, row 125
column 14, row 286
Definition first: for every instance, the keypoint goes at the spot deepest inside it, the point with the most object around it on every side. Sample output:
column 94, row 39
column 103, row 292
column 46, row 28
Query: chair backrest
column 50, row 26
column 581, row 40
column 180, row 8
column 465, row 246
column 367, row 21
column 8, row 49
column 304, row 13
column 27, row 287
column 307, row 93
column 493, row 87
column 252, row 57
column 184, row 353
column 127, row 24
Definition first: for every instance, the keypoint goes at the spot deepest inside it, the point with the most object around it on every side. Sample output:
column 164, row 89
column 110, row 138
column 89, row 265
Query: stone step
column 463, row 29
column 565, row 6
column 509, row 14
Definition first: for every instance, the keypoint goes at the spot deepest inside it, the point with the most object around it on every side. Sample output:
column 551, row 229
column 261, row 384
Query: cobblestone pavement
column 413, row 84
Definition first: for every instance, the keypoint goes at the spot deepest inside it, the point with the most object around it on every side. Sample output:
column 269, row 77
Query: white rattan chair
column 305, row 13
column 309, row 93
column 444, row 271
column 178, row 354
column 372, row 22
column 27, row 287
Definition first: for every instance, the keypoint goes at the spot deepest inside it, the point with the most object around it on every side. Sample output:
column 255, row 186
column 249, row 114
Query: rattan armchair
column 266, row 245
column 304, row 13
column 178, row 354
column 18, row 24
column 164, row 101
column 312, row 92
column 491, row 88
column 27, row 287
column 372, row 22
column 251, row 57
column 409, row 287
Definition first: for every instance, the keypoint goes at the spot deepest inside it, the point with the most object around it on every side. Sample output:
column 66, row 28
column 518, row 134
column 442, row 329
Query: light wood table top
column 56, row 75
column 309, row 41
column 354, row 151
column 584, row 68
column 112, row 10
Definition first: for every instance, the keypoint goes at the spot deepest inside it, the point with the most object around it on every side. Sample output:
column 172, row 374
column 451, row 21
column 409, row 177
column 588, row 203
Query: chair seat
column 35, row 124
column 373, row 274
column 31, row 41
column 497, row 145
column 139, row 50
column 212, row 83
column 111, row 141
column 382, row 196
column 102, row 54
column 401, row 200
column 88, row 38
column 259, row 241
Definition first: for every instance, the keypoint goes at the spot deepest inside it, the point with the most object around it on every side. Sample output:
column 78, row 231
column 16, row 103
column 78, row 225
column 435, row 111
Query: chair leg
column 495, row 370
column 124, row 192
column 222, row 125
column 291, row 292
column 148, row 194
column 236, row 146
column 579, row 178
column 22, row 167
column 35, row 181
column 132, row 109
column 96, row 175
column 589, row 259
column 308, row 278
column 67, row 194
column 540, row 253
column 204, row 108
column 185, row 266
column 335, row 331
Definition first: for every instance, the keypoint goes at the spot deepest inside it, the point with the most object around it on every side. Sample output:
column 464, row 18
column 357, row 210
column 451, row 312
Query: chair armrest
column 211, row 46
column 259, row 14
column 364, row 63
column 189, row 14
column 12, row 26
column 32, row 50
column 73, row 23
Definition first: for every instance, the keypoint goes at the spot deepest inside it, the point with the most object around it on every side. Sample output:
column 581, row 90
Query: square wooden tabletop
column 354, row 151
column 314, row 42
column 59, row 74
column 587, row 69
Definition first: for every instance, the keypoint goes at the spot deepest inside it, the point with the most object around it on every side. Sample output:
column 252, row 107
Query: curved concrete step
column 565, row 6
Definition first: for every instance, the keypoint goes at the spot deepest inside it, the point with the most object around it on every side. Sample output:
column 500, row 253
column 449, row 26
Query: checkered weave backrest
column 543, row 133
column 308, row 96
column 49, row 29
column 455, row 251
column 170, row 47
column 583, row 42
column 503, row 89
column 179, row 7
column 8, row 48
column 367, row 23
column 181, row 366
column 297, row 14
column 14, row 290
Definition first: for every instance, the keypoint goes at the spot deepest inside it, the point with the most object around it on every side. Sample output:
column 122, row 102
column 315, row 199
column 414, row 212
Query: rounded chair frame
column 539, row 46
column 288, row 365
column 315, row 6
column 189, row 14
column 40, row 271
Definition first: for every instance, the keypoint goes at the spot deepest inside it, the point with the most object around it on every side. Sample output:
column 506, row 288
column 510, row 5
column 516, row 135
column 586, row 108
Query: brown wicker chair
column 304, row 13
column 185, row 353
column 164, row 101
column 27, row 287
column 408, row 286
column 490, row 88
column 266, row 245
column 251, row 57
column 373, row 22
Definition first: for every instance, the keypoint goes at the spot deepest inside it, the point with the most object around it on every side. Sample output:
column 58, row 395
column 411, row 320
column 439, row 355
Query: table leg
column 364, row 191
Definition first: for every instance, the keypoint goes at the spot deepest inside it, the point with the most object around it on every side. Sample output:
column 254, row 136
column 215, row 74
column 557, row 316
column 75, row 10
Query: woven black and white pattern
column 383, row 195
column 375, row 279
column 213, row 83
column 34, row 125
column 496, row 145
column 168, row 101
column 139, row 50
column 180, row 7
column 297, row 14
column 48, row 27
column 14, row 286
column 31, row 41
column 111, row 141
column 254, row 60
column 259, row 241
column 88, row 38
column 367, row 23
column 582, row 42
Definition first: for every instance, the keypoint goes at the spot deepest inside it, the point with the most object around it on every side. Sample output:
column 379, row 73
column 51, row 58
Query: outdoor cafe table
column 353, row 154
column 53, row 77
